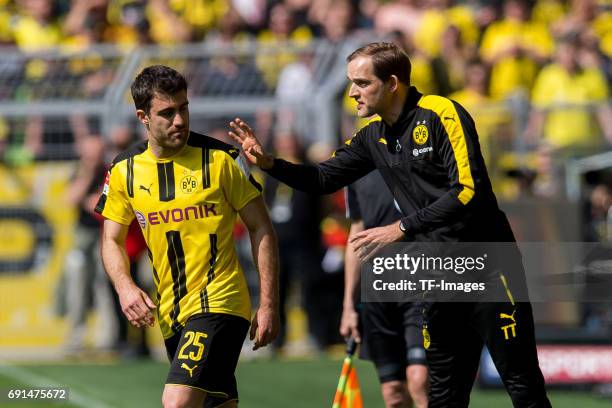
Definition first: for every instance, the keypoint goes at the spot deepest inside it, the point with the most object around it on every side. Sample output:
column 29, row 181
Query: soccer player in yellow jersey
column 185, row 190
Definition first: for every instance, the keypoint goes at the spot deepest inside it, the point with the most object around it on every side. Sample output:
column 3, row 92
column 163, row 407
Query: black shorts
column 205, row 353
column 392, row 337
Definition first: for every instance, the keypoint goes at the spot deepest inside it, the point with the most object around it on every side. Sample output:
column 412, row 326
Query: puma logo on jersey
column 508, row 316
column 148, row 190
column 190, row 369
column 450, row 118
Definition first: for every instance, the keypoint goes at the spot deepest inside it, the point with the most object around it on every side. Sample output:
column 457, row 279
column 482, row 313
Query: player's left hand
column 367, row 243
column 264, row 327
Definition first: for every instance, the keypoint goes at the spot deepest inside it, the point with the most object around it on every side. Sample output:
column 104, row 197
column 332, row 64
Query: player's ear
column 142, row 117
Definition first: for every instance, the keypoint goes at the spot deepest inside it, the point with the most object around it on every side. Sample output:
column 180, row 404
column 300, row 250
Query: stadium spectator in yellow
column 167, row 26
column 491, row 118
column 35, row 26
column 591, row 19
column 129, row 25
column 450, row 64
column 185, row 190
column 561, row 96
column 281, row 28
column 548, row 12
column 602, row 28
column 5, row 22
column 134, row 22
column 84, row 25
column 437, row 18
column 514, row 47
column 231, row 32
column 200, row 15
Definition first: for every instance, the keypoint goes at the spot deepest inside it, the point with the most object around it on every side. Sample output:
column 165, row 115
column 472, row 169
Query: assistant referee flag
column 348, row 393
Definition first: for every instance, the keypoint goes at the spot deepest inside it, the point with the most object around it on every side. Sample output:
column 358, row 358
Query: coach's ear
column 393, row 83
column 142, row 117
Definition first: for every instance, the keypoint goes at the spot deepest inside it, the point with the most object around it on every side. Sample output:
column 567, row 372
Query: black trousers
column 457, row 333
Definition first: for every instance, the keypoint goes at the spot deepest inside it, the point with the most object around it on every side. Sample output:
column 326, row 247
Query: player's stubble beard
column 167, row 143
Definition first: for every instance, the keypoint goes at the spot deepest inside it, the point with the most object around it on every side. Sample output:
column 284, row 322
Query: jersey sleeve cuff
column 116, row 219
column 409, row 226
column 250, row 197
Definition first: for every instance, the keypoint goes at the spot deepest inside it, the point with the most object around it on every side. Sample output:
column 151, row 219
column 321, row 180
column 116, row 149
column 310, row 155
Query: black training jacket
column 431, row 161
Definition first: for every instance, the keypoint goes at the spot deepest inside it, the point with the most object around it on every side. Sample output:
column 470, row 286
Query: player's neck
column 161, row 152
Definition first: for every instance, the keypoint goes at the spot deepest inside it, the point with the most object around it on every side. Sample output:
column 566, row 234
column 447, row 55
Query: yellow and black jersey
column 186, row 206
column 431, row 161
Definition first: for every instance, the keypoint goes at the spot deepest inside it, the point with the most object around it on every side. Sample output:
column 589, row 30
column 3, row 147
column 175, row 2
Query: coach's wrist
column 267, row 162
column 402, row 227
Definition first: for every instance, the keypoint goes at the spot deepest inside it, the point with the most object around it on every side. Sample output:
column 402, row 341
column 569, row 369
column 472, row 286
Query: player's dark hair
column 387, row 59
column 156, row 78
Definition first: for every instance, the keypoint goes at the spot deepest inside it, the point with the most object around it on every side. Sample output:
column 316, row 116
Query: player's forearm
column 265, row 255
column 116, row 264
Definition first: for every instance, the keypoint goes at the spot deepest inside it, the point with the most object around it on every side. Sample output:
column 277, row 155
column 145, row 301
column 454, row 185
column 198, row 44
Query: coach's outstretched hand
column 264, row 327
column 243, row 135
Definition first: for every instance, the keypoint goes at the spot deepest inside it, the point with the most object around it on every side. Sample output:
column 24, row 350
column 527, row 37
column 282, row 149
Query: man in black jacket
column 427, row 150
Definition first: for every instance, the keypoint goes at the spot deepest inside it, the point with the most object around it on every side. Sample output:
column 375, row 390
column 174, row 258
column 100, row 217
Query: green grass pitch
column 262, row 384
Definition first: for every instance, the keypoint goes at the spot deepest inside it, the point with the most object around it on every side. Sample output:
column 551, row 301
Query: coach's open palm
column 243, row 135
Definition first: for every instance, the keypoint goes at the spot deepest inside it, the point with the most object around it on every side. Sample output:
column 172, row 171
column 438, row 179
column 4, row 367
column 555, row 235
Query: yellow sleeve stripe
column 346, row 142
column 449, row 117
column 372, row 119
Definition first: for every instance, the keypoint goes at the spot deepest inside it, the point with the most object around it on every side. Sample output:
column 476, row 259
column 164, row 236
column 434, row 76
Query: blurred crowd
column 514, row 39
column 551, row 56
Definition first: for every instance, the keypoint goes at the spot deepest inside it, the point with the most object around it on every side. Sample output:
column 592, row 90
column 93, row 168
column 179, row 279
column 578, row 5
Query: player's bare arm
column 135, row 303
column 242, row 134
column 265, row 324
column 349, row 324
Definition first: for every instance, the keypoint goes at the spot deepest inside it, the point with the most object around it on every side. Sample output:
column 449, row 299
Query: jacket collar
column 412, row 98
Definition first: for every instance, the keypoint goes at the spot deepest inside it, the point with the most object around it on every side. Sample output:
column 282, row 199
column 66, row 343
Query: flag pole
column 351, row 346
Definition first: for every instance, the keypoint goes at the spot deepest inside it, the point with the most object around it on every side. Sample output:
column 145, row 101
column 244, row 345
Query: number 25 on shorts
column 193, row 338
